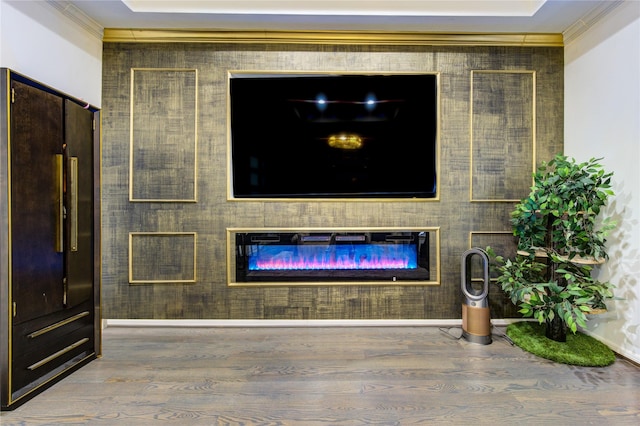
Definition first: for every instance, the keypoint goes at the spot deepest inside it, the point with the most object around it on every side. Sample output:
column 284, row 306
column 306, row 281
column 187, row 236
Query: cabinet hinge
column 13, row 95
column 15, row 309
column 93, row 124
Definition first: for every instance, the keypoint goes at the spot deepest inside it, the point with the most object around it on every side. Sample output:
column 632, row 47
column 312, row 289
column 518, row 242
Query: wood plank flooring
column 328, row 376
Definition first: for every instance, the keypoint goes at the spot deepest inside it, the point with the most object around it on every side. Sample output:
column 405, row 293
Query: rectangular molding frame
column 471, row 133
column 234, row 72
column 231, row 282
column 480, row 233
column 191, row 280
column 132, row 148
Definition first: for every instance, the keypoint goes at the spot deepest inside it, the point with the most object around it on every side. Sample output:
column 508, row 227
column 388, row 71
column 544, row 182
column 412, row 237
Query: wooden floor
column 329, row 376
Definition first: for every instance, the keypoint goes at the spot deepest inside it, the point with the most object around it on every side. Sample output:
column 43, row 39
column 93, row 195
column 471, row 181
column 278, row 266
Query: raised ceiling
column 428, row 16
column 341, row 7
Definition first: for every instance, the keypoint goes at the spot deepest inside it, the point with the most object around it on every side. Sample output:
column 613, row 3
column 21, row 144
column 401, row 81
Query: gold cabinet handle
column 73, row 189
column 58, row 179
column 58, row 354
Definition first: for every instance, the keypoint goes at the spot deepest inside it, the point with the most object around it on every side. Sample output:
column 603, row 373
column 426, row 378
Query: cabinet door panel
column 36, row 138
column 79, row 201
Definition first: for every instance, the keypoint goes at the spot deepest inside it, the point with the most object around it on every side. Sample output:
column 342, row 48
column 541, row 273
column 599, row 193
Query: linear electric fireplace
column 337, row 256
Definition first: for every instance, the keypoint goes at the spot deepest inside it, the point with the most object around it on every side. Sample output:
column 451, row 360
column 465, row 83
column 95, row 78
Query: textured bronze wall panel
column 212, row 214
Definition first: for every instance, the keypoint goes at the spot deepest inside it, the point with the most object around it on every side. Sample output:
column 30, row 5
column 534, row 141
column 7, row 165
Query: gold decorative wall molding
column 163, row 128
column 116, row 35
column 264, row 72
column 162, row 257
column 500, row 241
column 483, row 239
column 434, row 245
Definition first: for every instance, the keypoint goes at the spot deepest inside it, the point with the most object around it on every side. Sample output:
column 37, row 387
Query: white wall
column 41, row 42
column 602, row 119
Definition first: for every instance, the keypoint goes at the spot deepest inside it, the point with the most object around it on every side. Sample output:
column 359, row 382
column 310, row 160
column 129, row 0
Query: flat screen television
column 333, row 136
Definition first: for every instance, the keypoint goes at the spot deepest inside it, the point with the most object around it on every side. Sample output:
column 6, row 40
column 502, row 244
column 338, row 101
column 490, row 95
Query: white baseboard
column 633, row 357
column 290, row 323
column 501, row 322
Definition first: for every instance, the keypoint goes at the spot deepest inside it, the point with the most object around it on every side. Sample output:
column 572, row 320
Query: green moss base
column 579, row 349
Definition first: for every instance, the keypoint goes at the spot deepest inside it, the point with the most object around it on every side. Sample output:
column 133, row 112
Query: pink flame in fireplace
column 283, row 257
column 310, row 264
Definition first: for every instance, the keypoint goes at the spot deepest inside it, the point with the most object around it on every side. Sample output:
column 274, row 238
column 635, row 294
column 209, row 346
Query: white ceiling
column 341, row 7
column 453, row 16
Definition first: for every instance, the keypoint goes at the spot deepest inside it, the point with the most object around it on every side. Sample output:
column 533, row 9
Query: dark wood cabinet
column 49, row 276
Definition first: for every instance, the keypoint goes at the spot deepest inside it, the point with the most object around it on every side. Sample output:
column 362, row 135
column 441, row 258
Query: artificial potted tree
column 561, row 236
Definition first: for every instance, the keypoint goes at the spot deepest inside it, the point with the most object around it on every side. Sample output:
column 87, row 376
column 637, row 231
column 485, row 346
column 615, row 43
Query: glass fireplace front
column 332, row 256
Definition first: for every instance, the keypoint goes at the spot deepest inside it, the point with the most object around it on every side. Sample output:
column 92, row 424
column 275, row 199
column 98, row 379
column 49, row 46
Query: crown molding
column 330, row 37
column 589, row 20
column 78, row 17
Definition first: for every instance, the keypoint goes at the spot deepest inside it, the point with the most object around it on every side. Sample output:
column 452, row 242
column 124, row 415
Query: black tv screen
column 333, row 136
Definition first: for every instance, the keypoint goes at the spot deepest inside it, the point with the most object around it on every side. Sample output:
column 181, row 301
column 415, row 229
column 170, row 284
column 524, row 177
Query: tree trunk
column 556, row 329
